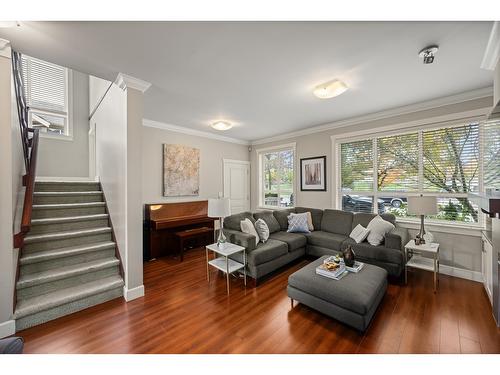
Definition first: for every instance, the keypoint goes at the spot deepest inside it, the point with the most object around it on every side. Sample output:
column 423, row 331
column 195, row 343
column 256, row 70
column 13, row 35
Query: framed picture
column 313, row 174
column 181, row 171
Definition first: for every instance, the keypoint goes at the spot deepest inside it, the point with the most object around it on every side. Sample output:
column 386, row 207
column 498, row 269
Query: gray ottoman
column 352, row 300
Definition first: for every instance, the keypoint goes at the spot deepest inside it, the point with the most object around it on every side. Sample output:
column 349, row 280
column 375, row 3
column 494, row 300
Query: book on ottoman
column 336, row 273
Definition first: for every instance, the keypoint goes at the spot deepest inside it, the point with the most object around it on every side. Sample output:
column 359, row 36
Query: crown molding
column 421, row 106
column 492, row 52
column 188, row 131
column 125, row 81
column 5, row 48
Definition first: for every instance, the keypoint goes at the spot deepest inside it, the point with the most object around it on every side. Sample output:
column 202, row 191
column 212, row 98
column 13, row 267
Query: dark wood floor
column 182, row 313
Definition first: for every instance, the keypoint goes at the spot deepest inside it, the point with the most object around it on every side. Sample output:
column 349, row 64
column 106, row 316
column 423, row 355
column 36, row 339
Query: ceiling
column 260, row 75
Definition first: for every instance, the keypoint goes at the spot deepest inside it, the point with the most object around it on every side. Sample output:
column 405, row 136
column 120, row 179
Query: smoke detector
column 427, row 54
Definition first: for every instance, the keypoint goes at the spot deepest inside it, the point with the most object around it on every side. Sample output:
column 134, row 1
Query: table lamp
column 219, row 208
column 422, row 206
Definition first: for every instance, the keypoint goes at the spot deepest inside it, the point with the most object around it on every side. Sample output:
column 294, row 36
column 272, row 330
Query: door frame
column 242, row 162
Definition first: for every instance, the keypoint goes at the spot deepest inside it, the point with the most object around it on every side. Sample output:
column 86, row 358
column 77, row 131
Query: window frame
column 67, row 114
column 337, row 193
column 262, row 151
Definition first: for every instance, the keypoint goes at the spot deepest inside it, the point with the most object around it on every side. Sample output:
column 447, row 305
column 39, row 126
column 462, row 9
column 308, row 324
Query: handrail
column 30, row 184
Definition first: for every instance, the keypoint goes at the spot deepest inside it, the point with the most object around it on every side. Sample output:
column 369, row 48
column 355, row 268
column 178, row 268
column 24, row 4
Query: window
column 377, row 174
column 277, row 177
column 46, row 91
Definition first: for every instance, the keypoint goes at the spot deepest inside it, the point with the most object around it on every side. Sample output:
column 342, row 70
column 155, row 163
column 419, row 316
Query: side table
column 416, row 260
column 222, row 261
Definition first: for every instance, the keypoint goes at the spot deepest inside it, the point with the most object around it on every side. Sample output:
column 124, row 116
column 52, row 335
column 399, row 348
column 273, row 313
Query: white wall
column 458, row 250
column 97, row 89
column 7, row 257
column 212, row 152
column 118, row 123
column 65, row 157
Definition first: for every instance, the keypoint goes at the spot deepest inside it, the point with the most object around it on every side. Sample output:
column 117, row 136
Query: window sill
column 273, row 208
column 452, row 228
column 57, row 137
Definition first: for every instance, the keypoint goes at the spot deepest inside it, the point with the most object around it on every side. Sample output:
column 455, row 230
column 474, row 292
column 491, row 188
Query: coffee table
column 222, row 261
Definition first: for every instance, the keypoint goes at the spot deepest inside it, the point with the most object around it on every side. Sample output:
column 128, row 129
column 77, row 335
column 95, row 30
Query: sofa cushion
column 233, row 221
column 365, row 252
column 282, row 217
column 262, row 230
column 265, row 252
column 294, row 241
column 377, row 229
column 364, row 218
column 336, row 221
column 325, row 239
column 270, row 220
column 298, row 223
column 316, row 214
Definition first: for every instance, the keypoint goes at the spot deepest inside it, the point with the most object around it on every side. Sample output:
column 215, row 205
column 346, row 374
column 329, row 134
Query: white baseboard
column 131, row 294
column 7, row 328
column 462, row 273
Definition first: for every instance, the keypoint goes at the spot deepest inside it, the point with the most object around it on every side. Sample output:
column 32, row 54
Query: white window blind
column 357, row 166
column 491, row 160
column 443, row 162
column 46, row 91
column 45, row 84
column 451, row 159
column 397, row 163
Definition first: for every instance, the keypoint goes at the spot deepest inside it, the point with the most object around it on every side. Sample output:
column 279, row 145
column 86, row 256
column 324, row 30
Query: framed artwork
column 181, row 171
column 313, row 174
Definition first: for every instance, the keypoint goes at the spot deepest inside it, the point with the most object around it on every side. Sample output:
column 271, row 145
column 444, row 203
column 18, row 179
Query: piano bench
column 191, row 234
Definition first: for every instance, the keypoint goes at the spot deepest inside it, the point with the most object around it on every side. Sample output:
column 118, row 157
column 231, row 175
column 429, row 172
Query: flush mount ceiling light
column 427, row 54
column 330, row 89
column 221, row 125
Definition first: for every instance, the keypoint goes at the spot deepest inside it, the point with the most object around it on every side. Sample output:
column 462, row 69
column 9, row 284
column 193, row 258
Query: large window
column 277, row 177
column 377, row 174
column 46, row 91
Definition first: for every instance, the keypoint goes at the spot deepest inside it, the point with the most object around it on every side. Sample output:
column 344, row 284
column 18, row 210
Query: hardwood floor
column 182, row 313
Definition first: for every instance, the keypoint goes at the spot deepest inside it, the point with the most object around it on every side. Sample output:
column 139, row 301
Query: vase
column 349, row 256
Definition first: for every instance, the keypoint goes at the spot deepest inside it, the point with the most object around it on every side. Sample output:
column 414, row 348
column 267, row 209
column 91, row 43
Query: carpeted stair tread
column 57, row 206
column 57, row 220
column 66, row 193
column 38, row 278
column 60, row 297
column 46, row 255
column 33, row 238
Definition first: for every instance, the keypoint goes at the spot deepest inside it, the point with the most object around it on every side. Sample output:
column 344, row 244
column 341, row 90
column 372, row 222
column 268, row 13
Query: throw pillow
column 378, row 228
column 248, row 228
column 298, row 223
column 262, row 230
column 309, row 220
column 359, row 233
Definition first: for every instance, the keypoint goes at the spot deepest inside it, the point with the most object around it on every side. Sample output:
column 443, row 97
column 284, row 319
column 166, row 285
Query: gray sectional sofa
column 330, row 236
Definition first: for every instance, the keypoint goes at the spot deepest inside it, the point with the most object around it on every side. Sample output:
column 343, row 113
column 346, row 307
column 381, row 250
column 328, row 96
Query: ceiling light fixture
column 221, row 125
column 9, row 24
column 330, row 89
column 427, row 54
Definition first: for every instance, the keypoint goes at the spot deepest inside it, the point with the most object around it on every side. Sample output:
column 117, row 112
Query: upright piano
column 163, row 221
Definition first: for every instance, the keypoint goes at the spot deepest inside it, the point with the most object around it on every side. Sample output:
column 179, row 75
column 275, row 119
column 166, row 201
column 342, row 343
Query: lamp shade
column 422, row 205
column 219, row 207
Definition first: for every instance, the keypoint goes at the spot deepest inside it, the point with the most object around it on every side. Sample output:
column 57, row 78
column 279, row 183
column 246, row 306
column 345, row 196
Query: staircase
column 68, row 261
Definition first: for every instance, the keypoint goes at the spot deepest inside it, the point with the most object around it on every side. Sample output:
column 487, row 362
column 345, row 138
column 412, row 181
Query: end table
column 418, row 261
column 224, row 263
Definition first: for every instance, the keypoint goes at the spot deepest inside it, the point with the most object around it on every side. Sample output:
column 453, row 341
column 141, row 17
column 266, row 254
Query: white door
column 237, row 184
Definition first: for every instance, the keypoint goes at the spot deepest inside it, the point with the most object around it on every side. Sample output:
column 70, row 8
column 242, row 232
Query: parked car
column 394, row 202
column 356, row 203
